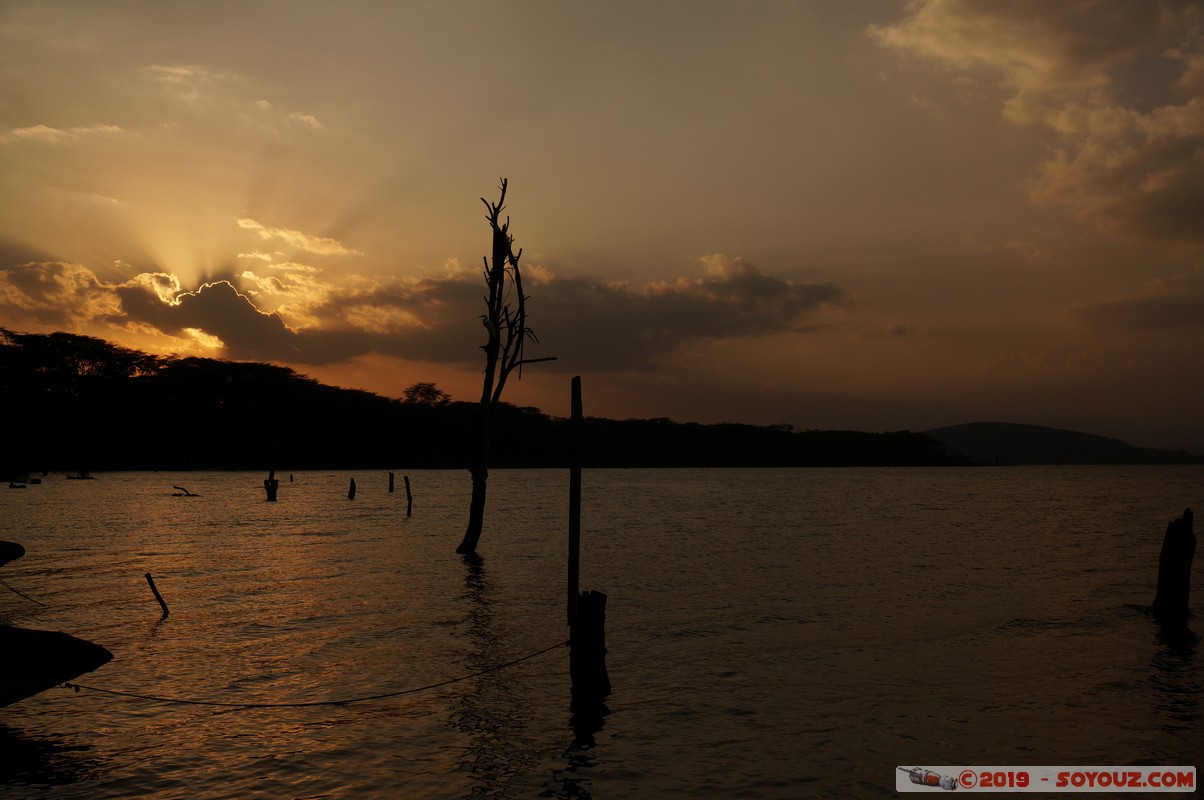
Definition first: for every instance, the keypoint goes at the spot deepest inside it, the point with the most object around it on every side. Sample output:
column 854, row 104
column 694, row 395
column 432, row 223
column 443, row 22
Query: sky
column 873, row 215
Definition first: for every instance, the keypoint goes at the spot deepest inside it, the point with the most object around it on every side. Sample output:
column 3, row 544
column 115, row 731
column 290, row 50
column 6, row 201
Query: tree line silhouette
column 72, row 402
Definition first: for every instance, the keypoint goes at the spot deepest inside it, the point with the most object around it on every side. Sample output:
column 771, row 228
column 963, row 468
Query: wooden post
column 351, row 490
column 574, row 572
column 1171, row 602
column 409, row 497
column 158, row 596
column 586, row 610
column 390, row 483
column 270, row 485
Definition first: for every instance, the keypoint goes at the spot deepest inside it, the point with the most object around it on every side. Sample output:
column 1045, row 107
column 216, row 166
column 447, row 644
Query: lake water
column 771, row 633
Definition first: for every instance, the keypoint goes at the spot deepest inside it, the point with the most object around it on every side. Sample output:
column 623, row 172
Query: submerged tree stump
column 351, row 490
column 270, row 485
column 1172, row 600
column 390, row 483
column 409, row 496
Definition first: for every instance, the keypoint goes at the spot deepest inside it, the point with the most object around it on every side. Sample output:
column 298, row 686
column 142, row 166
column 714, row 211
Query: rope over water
column 314, row 703
column 22, row 594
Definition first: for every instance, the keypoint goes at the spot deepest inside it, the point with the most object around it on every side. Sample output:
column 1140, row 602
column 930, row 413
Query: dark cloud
column 610, row 327
column 217, row 309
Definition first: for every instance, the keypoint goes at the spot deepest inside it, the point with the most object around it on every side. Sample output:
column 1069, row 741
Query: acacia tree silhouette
column 425, row 394
column 505, row 320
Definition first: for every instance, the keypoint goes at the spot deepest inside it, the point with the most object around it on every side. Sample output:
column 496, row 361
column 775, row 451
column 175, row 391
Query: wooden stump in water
column 409, row 497
column 390, row 483
column 1172, row 601
column 270, row 485
column 587, row 648
column 351, row 490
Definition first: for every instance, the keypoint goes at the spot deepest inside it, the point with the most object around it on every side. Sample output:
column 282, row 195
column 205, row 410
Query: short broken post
column 409, row 497
column 390, row 483
column 351, row 490
column 586, row 610
column 1172, row 600
column 587, row 648
column 270, row 485
column 158, row 596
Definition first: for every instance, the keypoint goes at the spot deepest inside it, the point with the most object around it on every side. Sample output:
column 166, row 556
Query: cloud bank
column 295, row 315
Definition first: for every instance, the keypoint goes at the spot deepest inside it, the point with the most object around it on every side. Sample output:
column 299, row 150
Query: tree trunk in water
column 480, row 473
column 476, row 512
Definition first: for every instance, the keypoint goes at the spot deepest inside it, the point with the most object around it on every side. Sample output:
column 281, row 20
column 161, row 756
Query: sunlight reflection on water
column 772, row 633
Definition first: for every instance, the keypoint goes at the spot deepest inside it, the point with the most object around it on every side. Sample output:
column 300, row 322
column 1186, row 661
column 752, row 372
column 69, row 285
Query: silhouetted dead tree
column 505, row 320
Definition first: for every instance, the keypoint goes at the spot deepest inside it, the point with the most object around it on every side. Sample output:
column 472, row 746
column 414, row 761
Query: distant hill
column 1007, row 443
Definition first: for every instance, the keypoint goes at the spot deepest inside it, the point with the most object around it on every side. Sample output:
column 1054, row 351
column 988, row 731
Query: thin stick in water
column 158, row 596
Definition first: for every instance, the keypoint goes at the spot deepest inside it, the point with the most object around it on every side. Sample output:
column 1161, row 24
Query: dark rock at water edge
column 34, row 661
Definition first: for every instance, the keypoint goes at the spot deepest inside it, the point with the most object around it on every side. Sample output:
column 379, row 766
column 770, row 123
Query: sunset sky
column 875, row 215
